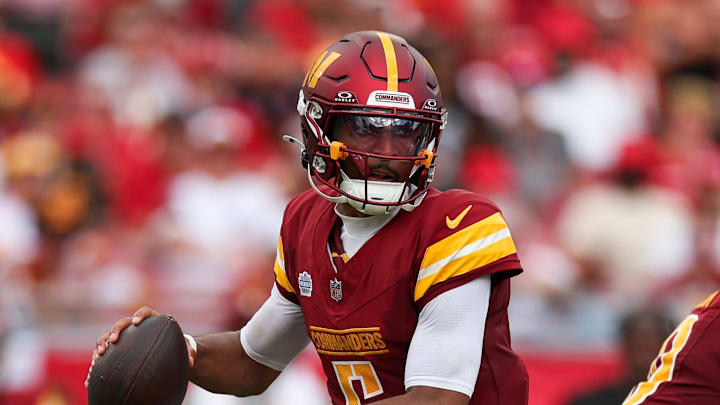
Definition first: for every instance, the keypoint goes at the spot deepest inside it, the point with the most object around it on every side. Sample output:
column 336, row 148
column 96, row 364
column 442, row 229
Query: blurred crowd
column 141, row 160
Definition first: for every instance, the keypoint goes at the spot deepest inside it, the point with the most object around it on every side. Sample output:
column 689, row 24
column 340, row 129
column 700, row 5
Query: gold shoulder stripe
column 390, row 61
column 322, row 68
column 708, row 300
column 460, row 264
column 280, row 252
column 477, row 245
column 465, row 236
column 280, row 275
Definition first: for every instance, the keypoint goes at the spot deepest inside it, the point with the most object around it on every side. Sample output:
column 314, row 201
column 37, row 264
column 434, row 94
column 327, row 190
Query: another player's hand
column 112, row 336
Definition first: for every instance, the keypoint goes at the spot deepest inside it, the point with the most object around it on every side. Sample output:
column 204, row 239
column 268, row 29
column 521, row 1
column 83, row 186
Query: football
column 147, row 365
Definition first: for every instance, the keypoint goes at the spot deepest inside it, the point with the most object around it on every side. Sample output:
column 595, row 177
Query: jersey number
column 349, row 371
column 663, row 366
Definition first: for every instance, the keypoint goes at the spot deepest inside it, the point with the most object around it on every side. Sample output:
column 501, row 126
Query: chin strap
column 341, row 198
column 288, row 138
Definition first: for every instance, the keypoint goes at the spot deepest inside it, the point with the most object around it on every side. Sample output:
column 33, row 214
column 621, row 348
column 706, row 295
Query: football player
column 687, row 369
column 402, row 289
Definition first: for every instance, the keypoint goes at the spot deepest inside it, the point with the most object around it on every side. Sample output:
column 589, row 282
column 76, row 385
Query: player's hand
column 112, row 336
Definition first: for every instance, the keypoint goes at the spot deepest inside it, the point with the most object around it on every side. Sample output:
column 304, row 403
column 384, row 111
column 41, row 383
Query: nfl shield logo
column 336, row 290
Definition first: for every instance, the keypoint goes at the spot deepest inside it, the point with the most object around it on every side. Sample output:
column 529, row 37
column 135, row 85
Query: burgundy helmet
column 369, row 102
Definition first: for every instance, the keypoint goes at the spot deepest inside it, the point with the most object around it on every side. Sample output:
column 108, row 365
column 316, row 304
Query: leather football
column 147, row 365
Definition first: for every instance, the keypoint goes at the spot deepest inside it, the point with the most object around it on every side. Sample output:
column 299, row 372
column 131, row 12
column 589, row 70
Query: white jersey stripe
column 464, row 251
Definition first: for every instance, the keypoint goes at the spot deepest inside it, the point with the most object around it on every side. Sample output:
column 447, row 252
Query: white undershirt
column 358, row 230
column 439, row 356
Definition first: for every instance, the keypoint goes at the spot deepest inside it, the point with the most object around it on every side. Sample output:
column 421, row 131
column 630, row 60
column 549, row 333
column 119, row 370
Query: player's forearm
column 222, row 366
column 427, row 395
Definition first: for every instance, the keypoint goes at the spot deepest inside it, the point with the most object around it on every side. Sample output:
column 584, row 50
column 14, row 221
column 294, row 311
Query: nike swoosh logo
column 453, row 223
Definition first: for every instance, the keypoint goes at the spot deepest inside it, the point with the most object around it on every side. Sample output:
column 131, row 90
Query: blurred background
column 141, row 163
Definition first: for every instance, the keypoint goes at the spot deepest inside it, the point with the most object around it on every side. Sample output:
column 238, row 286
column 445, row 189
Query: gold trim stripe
column 466, row 263
column 343, row 331
column 659, row 375
column 314, row 67
column 343, row 256
column 321, row 69
column 279, row 269
column 280, row 252
column 390, row 61
column 466, row 236
column 331, row 353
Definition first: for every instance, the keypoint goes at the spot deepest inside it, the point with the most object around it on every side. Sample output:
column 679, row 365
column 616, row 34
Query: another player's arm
column 221, row 364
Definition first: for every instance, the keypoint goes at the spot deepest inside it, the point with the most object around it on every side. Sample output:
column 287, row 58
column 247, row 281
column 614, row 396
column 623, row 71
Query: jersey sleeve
column 446, row 325
column 276, row 333
column 472, row 239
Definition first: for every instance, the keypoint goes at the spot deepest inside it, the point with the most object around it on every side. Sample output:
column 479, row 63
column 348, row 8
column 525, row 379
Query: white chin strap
column 377, row 191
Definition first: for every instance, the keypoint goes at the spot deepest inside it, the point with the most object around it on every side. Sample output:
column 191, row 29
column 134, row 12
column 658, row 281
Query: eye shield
column 363, row 132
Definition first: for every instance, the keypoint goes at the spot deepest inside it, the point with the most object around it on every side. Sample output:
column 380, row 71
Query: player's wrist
column 191, row 341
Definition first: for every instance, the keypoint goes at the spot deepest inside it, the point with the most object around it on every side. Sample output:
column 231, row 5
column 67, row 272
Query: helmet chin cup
column 377, row 191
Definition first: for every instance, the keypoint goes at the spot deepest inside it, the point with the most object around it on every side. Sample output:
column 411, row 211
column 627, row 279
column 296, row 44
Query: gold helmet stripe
column 390, row 61
column 321, row 69
column 313, row 67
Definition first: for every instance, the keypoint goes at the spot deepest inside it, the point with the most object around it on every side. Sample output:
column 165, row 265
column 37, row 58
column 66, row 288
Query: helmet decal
column 316, row 71
column 345, row 97
column 391, row 99
column 430, row 104
column 390, row 61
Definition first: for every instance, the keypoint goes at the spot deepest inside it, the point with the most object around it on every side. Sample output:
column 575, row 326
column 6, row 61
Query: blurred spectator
column 18, row 71
column 541, row 161
column 217, row 203
column 219, row 229
column 689, row 156
column 19, row 237
column 627, row 235
column 91, row 261
column 594, row 109
column 138, row 80
column 640, row 334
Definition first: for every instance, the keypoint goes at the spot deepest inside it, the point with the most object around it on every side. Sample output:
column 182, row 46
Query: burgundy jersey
column 361, row 312
column 687, row 369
